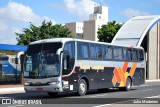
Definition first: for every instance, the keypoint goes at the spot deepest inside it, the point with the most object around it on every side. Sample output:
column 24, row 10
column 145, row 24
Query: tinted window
column 42, row 61
column 44, row 48
column 108, row 52
column 96, row 51
column 118, row 54
column 69, row 48
column 83, row 50
column 125, row 54
column 141, row 56
column 129, row 54
column 135, row 55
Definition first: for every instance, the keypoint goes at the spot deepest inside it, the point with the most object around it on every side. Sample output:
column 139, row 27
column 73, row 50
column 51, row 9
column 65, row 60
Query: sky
column 18, row 14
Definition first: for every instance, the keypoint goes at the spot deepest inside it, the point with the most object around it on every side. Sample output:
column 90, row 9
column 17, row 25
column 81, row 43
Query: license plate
column 40, row 89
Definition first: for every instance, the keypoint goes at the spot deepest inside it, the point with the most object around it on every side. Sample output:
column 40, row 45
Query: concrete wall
column 76, row 28
column 153, row 53
column 89, row 30
column 71, row 27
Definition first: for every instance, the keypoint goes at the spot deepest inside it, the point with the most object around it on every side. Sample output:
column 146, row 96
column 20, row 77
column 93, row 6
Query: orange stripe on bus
column 117, row 75
column 125, row 66
column 122, row 75
column 131, row 73
column 114, row 80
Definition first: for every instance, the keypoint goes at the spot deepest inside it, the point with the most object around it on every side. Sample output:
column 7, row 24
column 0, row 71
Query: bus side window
column 129, row 54
column 125, row 54
column 141, row 56
column 117, row 52
column 83, row 50
column 107, row 52
column 135, row 55
column 95, row 52
column 69, row 58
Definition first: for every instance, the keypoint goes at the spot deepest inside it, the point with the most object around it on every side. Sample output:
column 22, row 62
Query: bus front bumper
column 48, row 88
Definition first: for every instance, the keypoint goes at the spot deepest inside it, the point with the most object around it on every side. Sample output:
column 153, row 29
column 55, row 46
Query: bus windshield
column 41, row 60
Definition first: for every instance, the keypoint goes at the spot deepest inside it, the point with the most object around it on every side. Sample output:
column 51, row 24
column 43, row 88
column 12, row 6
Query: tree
column 45, row 31
column 107, row 32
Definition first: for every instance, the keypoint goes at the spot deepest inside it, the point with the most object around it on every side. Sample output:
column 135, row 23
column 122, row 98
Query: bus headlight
column 27, row 83
column 54, row 83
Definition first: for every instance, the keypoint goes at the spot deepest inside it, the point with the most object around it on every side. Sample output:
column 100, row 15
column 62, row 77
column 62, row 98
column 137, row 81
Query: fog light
column 27, row 83
column 53, row 83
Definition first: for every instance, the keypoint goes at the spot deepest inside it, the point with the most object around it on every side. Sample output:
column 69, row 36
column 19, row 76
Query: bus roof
column 63, row 40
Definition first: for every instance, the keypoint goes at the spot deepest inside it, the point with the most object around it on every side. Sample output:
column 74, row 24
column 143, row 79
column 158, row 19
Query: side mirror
column 18, row 56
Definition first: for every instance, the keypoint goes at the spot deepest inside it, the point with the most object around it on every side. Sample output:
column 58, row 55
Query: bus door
column 68, row 61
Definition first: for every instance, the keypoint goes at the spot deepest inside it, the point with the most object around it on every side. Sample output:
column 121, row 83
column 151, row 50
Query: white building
column 76, row 28
column 88, row 29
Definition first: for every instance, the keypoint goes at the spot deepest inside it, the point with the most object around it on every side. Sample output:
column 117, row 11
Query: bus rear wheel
column 82, row 87
column 128, row 85
column 52, row 94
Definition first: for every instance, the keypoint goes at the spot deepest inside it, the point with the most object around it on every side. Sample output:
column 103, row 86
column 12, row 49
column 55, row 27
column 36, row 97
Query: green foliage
column 45, row 31
column 107, row 32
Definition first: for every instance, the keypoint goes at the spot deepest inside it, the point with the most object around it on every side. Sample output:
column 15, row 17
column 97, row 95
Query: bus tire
column 82, row 87
column 52, row 94
column 128, row 85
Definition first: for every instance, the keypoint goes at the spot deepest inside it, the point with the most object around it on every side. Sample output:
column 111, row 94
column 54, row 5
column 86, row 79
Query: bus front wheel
column 82, row 87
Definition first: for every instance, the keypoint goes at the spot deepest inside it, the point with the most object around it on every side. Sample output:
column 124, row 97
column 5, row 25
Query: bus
column 9, row 70
column 69, row 65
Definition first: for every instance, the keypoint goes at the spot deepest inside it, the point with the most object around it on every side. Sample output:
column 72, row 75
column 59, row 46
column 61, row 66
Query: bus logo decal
column 120, row 74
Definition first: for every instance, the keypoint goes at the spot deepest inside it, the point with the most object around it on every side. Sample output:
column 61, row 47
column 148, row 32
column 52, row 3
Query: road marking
column 19, row 105
column 103, row 105
column 98, row 95
column 141, row 86
column 157, row 96
column 147, row 90
column 144, row 85
column 113, row 103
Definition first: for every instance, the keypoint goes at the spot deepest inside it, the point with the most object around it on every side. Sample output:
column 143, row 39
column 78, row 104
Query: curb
column 11, row 90
column 158, row 80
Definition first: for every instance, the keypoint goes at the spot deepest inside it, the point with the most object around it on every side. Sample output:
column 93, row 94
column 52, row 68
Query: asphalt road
column 112, row 97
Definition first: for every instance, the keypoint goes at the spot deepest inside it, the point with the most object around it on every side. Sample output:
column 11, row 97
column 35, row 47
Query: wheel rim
column 82, row 87
column 128, row 84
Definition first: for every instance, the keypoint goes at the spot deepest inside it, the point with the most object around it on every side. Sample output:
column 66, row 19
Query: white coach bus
column 66, row 64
